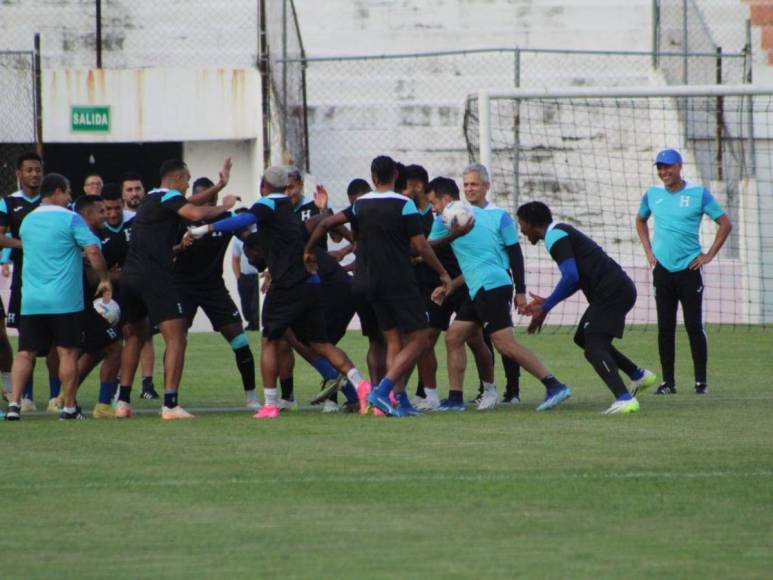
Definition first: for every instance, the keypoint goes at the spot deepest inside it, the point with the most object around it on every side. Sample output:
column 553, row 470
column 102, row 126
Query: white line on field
column 356, row 479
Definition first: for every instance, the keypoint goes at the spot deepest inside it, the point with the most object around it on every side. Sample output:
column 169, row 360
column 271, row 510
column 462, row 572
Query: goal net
column 588, row 153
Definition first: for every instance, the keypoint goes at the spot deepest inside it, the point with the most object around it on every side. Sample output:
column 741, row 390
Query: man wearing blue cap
column 677, row 259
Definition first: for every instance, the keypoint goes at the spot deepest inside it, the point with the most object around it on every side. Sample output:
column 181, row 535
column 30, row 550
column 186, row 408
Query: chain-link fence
column 17, row 114
column 412, row 106
column 687, row 28
column 131, row 34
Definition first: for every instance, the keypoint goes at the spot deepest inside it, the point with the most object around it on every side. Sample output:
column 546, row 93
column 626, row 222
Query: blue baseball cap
column 668, row 157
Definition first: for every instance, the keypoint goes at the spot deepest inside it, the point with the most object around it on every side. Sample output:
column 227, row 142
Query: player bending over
column 610, row 292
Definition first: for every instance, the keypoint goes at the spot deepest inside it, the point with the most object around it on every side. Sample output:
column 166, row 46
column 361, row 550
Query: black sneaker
column 149, row 393
column 701, row 389
column 511, row 398
column 13, row 413
column 666, row 389
column 76, row 416
column 350, row 407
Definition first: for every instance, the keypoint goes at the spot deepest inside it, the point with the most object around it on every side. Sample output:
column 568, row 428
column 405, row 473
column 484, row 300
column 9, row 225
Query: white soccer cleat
column 488, row 400
column 426, row 404
column 285, row 405
column 647, row 380
column 253, row 404
column 623, row 407
column 175, row 413
column 330, row 407
column 28, row 405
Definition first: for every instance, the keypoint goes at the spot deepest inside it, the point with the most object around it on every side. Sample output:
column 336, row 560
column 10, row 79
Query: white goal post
column 588, row 152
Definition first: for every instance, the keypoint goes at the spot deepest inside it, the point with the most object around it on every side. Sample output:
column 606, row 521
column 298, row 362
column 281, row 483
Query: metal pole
column 685, row 43
column 719, row 116
column 284, row 69
column 99, row 33
column 265, row 83
column 484, row 129
column 38, row 98
column 655, row 32
column 516, row 135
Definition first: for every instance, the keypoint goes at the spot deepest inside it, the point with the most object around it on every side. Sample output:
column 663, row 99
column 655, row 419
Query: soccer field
column 682, row 489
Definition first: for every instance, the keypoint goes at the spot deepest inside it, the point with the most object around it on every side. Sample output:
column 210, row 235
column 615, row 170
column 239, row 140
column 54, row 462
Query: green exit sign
column 90, row 119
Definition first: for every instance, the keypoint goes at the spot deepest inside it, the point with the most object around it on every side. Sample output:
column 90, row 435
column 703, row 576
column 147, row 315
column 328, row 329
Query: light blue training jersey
column 481, row 253
column 52, row 275
column 677, row 222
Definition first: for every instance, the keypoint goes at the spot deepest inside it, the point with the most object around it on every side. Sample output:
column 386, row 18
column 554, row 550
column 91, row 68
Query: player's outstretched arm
column 205, row 196
column 98, row 264
column 8, row 241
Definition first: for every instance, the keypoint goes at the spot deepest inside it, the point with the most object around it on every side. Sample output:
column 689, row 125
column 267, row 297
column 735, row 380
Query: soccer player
column 147, row 287
column 389, row 231
column 610, row 293
column 678, row 260
column 293, row 300
column 476, row 182
column 198, row 279
column 93, row 184
column 102, row 342
column 376, row 357
column 440, row 314
column 247, row 284
column 132, row 194
column 13, row 209
column 132, row 191
column 484, row 252
column 52, row 303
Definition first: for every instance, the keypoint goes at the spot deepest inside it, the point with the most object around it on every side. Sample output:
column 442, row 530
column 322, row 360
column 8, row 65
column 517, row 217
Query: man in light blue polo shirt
column 677, row 258
column 52, row 302
column 485, row 254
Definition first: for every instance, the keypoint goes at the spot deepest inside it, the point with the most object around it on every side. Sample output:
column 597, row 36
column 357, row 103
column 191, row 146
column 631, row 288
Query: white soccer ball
column 110, row 311
column 458, row 214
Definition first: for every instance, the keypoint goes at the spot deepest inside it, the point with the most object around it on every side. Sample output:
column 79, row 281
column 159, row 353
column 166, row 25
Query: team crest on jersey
column 684, row 201
column 305, row 214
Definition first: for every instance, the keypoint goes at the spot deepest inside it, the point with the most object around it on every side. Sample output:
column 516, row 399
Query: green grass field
column 683, row 489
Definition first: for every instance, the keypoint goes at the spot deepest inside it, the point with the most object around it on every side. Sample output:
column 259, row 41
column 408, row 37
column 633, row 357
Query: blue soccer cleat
column 449, row 405
column 381, row 403
column 555, row 398
column 406, row 411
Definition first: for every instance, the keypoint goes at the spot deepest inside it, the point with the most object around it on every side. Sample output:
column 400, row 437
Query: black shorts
column 39, row 332
column 214, row 300
column 368, row 321
column 607, row 310
column 153, row 296
column 338, row 307
column 14, row 303
column 440, row 315
column 491, row 309
column 98, row 334
column 406, row 312
column 298, row 308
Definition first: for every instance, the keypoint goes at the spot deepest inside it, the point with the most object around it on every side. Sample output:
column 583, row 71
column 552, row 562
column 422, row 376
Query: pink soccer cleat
column 363, row 390
column 267, row 412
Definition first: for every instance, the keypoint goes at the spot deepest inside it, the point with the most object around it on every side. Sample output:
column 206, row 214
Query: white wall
column 154, row 104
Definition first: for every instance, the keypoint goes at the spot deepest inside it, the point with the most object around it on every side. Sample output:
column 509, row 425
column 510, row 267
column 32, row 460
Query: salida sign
column 90, row 119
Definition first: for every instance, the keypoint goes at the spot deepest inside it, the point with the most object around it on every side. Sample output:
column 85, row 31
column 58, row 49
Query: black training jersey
column 426, row 277
column 598, row 272
column 154, row 230
column 281, row 235
column 202, row 262
column 305, row 211
column 386, row 222
column 13, row 209
column 115, row 243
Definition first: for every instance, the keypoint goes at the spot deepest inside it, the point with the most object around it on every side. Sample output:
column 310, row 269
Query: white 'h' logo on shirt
column 684, row 201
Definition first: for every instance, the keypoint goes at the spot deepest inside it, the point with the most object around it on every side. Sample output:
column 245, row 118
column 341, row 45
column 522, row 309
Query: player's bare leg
column 6, row 361
column 175, row 341
column 135, row 335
